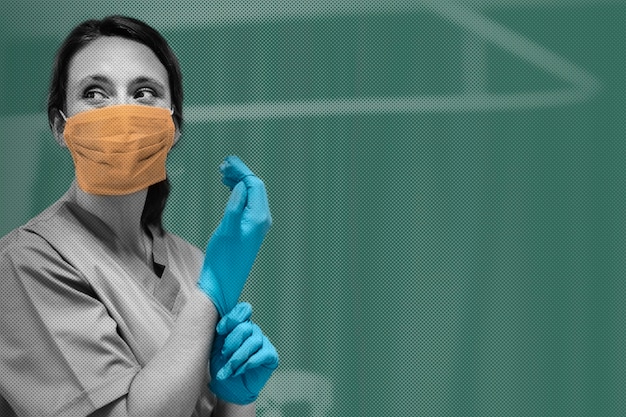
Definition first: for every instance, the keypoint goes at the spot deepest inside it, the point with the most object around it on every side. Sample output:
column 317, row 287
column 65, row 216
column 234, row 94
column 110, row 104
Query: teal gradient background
column 447, row 182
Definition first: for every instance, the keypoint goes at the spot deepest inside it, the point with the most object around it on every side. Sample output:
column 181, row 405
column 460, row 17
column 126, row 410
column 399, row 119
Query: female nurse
column 102, row 311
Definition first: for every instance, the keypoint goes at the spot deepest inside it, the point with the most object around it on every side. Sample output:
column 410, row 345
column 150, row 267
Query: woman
column 102, row 312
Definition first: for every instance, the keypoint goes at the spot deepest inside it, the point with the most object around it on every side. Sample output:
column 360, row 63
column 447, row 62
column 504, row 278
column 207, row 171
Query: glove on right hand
column 234, row 245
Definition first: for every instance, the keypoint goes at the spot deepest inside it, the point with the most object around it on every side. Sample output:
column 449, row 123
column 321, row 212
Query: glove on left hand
column 242, row 357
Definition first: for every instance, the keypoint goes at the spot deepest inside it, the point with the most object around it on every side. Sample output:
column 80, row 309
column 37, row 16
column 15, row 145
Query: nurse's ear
column 176, row 127
column 57, row 127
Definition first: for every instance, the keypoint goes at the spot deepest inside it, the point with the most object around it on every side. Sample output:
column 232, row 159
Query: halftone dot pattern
column 448, row 207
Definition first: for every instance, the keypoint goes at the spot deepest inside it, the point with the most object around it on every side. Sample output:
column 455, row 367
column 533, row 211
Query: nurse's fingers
column 245, row 339
column 239, row 314
column 237, row 338
column 244, row 352
column 266, row 357
column 257, row 209
column 233, row 171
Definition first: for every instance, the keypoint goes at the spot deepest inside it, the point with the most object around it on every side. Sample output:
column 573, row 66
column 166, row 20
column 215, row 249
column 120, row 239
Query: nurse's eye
column 145, row 94
column 94, row 94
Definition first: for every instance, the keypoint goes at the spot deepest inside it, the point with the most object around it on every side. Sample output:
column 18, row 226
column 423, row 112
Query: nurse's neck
column 122, row 213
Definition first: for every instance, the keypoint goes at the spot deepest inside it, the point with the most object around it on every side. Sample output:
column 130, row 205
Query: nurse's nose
column 121, row 96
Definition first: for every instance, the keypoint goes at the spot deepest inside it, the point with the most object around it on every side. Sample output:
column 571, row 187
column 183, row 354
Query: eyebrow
column 93, row 78
column 106, row 80
column 142, row 80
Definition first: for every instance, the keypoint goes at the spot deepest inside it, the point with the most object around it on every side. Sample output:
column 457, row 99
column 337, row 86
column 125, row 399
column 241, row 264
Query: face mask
column 119, row 149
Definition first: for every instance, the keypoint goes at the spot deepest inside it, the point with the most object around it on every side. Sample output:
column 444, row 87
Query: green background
column 447, row 183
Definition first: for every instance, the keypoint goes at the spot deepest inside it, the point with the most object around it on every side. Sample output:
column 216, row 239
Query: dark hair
column 136, row 30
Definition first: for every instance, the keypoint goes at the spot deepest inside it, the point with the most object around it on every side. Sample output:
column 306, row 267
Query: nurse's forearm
column 170, row 384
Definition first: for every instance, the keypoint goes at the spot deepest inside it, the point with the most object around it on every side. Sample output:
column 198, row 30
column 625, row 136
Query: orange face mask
column 119, row 149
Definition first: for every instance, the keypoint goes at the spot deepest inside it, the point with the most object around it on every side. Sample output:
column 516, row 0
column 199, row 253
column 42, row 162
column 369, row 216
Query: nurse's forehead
column 116, row 57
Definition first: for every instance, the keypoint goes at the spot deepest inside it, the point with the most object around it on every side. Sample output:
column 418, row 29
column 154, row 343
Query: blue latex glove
column 242, row 357
column 236, row 241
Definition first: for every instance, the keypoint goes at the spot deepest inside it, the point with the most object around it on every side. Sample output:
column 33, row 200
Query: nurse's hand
column 242, row 357
column 236, row 241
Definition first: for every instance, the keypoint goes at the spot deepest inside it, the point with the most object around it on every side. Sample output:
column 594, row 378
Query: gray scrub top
column 80, row 315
